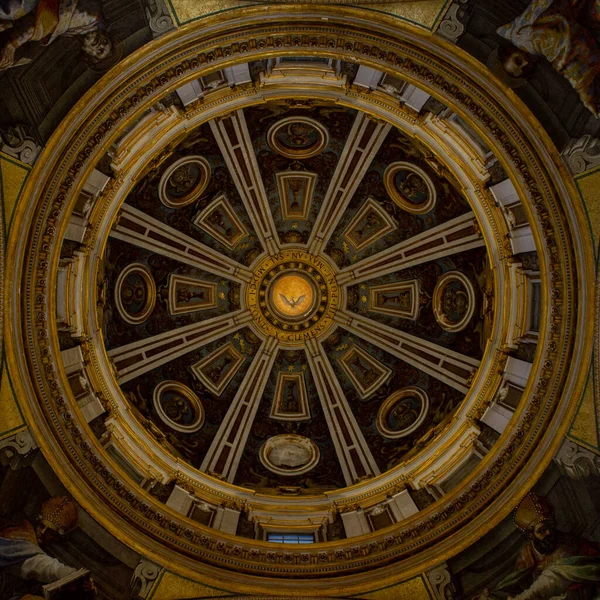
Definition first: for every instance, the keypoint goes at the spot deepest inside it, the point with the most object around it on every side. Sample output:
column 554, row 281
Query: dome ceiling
column 311, row 170
column 295, row 302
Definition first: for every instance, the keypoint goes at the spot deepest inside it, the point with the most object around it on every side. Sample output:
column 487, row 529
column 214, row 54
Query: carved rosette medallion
column 402, row 412
column 298, row 137
column 178, row 407
column 293, row 296
column 453, row 301
column 135, row 294
column 184, row 181
column 410, row 187
column 289, row 454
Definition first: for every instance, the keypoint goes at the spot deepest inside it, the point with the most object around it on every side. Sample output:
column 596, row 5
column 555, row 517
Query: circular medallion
column 135, row 294
column 178, row 407
column 293, row 296
column 410, row 187
column 184, row 181
column 402, row 412
column 289, row 454
column 298, row 137
column 453, row 301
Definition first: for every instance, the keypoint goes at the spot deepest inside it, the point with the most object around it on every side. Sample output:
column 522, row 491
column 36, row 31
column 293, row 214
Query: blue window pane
column 291, row 538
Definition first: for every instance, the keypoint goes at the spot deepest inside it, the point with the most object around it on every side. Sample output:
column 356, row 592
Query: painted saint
column 567, row 33
column 43, row 21
column 552, row 564
column 24, row 565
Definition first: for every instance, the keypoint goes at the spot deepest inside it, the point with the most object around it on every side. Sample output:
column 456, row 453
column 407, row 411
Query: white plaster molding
column 521, row 239
column 145, row 575
column 582, row 154
column 440, row 579
column 244, row 405
column 461, row 140
column 357, row 154
column 190, row 92
column 497, row 417
column 180, row 500
column 159, row 19
column 240, row 157
column 453, row 25
column 135, row 142
column 449, row 238
column 155, row 351
column 238, row 74
column 414, row 97
column 19, row 143
column 517, row 371
column 517, row 316
column 577, row 462
column 367, row 77
column 339, row 417
column 450, row 367
column 18, row 450
column 186, row 249
column 402, row 505
column 355, row 523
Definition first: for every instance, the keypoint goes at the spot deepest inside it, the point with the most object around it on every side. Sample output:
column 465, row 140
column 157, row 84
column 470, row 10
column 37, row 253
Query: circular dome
column 296, row 301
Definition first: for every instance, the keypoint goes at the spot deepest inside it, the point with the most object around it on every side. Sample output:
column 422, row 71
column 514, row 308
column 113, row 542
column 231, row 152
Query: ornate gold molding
column 503, row 476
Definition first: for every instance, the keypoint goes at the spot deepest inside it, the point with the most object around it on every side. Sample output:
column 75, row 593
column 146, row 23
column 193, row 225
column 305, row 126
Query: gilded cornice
column 558, row 372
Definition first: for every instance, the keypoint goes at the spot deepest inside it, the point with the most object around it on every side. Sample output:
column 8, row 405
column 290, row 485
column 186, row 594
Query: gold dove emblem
column 290, row 301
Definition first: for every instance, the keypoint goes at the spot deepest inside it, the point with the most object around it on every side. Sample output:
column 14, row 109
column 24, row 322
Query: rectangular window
column 291, row 538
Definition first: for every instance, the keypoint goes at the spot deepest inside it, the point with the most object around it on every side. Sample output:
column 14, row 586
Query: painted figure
column 22, row 560
column 552, row 565
column 43, row 21
column 567, row 33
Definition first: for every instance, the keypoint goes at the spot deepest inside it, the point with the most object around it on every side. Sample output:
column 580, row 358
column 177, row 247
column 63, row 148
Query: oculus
column 217, row 369
column 184, row 181
column 291, row 400
column 403, row 412
column 293, row 296
column 410, row 187
column 289, row 454
column 298, row 137
column 135, row 294
column 370, row 224
column 453, row 301
column 186, row 294
column 364, row 371
column 295, row 193
column 219, row 220
column 178, row 407
column 400, row 299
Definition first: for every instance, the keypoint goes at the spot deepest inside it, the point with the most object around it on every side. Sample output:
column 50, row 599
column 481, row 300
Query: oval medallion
column 289, row 454
column 135, row 294
column 402, row 412
column 178, row 407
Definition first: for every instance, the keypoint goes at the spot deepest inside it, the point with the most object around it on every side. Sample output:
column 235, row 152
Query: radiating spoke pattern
column 231, row 133
column 139, row 229
column 282, row 317
column 137, row 358
column 224, row 453
column 450, row 367
column 450, row 238
column 353, row 453
column 363, row 142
